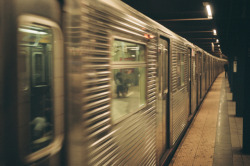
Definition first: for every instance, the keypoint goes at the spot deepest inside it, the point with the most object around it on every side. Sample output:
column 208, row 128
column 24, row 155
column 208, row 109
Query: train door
column 1, row 87
column 199, row 76
column 205, row 73
column 33, row 82
column 196, row 77
column 193, row 83
column 40, row 89
column 163, row 99
column 200, row 73
column 189, row 79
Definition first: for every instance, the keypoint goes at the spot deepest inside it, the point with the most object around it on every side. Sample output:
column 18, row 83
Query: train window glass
column 204, row 62
column 178, row 69
column 129, row 79
column 182, row 69
column 127, row 51
column 35, row 47
column 128, row 91
column 39, row 66
column 194, row 68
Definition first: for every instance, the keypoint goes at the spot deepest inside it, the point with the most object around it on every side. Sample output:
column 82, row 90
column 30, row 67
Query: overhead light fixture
column 31, row 31
column 217, row 40
column 209, row 11
column 218, row 45
column 215, row 32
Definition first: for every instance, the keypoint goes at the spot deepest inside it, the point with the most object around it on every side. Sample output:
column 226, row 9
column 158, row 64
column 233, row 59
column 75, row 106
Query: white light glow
column 215, row 32
column 133, row 48
column 209, row 11
column 31, row 31
column 217, row 40
column 212, row 45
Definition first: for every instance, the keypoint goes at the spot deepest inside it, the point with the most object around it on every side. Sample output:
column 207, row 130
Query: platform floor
column 215, row 135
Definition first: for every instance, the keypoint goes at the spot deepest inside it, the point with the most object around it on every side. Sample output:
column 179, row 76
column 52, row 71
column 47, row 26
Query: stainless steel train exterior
column 94, row 82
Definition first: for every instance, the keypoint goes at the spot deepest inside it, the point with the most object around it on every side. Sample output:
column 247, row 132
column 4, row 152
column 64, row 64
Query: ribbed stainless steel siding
column 199, row 71
column 93, row 139
column 178, row 95
column 136, row 134
column 203, row 75
column 90, row 138
column 1, row 85
column 193, row 85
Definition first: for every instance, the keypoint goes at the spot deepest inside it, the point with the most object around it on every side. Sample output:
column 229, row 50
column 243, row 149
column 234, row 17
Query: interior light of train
column 133, row 48
column 215, row 32
column 31, row 31
column 209, row 11
column 217, row 40
column 218, row 45
column 148, row 36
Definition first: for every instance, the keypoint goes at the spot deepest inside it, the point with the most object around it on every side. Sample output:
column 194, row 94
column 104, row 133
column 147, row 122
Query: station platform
column 215, row 135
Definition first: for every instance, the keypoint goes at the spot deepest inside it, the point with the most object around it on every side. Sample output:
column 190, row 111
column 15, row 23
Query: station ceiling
column 189, row 19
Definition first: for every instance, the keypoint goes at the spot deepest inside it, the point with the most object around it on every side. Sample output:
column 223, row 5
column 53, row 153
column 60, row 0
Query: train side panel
column 193, row 82
column 1, row 88
column 96, row 93
column 24, row 142
column 179, row 91
column 105, row 44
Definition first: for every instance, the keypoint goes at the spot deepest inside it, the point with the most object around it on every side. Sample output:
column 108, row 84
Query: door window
column 35, row 81
column 129, row 78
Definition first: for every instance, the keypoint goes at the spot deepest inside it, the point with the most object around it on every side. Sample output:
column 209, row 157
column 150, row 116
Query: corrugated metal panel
column 1, row 88
column 178, row 95
column 203, row 75
column 132, row 140
column 193, row 85
column 137, row 140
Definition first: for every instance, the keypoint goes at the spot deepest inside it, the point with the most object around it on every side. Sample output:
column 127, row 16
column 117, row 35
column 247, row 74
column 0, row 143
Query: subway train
column 94, row 82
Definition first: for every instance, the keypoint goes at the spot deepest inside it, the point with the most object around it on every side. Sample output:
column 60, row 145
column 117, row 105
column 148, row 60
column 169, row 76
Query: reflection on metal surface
column 179, row 95
column 92, row 134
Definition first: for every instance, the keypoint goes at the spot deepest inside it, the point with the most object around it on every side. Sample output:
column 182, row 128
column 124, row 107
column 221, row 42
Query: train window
column 129, row 78
column 127, row 51
column 35, row 47
column 182, row 69
column 204, row 62
column 38, row 69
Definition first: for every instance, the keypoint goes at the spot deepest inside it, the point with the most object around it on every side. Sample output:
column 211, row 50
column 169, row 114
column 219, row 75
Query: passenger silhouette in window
column 121, row 85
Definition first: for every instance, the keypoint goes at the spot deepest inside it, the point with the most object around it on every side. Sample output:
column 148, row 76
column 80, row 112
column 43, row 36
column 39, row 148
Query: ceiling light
column 209, row 11
column 215, row 32
column 217, row 40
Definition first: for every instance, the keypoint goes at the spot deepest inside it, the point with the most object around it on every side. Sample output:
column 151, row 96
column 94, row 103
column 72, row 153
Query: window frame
column 128, row 65
column 33, row 62
column 57, row 141
column 182, row 66
column 179, row 72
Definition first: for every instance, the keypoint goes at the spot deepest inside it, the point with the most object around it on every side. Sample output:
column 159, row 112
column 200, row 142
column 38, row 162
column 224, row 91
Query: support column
column 246, row 113
column 240, row 88
column 235, row 70
column 230, row 73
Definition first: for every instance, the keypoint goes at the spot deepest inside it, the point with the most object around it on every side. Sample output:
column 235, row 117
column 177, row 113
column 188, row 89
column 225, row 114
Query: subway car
column 94, row 82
